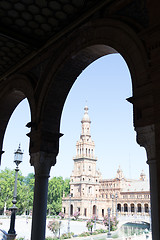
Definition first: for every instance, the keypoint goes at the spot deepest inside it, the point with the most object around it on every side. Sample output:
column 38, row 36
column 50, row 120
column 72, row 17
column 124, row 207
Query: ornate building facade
column 90, row 194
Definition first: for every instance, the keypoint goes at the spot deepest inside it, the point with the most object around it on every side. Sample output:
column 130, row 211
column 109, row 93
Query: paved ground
column 23, row 227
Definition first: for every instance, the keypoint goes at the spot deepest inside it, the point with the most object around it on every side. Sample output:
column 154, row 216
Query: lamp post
column 59, row 228
column 17, row 159
column 91, row 210
column 150, row 229
column 112, row 205
column 95, row 214
column 109, row 226
column 116, row 196
column 69, row 213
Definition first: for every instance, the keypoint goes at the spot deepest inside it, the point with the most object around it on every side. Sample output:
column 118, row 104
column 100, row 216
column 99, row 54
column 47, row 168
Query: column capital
column 44, row 141
column 42, row 162
column 146, row 139
column 1, row 152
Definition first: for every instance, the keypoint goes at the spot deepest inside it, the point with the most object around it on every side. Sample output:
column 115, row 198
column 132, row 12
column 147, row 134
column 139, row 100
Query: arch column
column 146, row 138
column 42, row 163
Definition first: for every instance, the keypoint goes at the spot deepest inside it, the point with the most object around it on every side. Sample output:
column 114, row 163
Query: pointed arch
column 19, row 87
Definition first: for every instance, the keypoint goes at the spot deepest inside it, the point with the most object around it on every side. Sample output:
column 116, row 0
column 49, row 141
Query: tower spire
column 85, row 146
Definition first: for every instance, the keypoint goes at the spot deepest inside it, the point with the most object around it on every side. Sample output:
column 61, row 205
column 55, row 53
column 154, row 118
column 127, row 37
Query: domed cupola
column 86, row 116
column 142, row 176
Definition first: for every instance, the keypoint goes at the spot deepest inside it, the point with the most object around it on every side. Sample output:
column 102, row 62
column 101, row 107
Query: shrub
column 53, row 226
column 67, row 235
column 50, row 238
column 76, row 215
column 89, row 224
column 101, row 231
column 94, row 217
column 8, row 213
column 84, row 234
column 113, row 222
column 61, row 214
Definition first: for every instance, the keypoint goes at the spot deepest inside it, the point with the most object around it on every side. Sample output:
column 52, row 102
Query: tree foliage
column 25, row 192
column 57, row 187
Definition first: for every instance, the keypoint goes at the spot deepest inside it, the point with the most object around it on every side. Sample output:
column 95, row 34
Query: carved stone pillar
column 146, row 138
column 42, row 163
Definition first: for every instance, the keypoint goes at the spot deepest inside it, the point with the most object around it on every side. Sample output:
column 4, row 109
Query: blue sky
column 104, row 85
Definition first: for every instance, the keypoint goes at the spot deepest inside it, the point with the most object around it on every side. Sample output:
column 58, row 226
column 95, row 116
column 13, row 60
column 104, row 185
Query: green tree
column 29, row 182
column 24, row 190
column 57, row 186
column 66, row 188
column 7, row 180
column 6, row 188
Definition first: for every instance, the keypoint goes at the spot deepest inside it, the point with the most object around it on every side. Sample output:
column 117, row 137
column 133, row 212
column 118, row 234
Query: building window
column 89, row 189
column 139, row 207
column 102, row 212
column 132, row 207
column 146, row 208
column 119, row 207
column 64, row 210
column 125, row 207
column 85, row 212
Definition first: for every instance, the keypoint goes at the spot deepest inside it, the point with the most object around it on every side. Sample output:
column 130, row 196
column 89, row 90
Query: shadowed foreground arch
column 79, row 50
column 18, row 88
column 91, row 43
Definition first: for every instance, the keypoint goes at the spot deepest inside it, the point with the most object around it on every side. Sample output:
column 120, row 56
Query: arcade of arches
column 45, row 45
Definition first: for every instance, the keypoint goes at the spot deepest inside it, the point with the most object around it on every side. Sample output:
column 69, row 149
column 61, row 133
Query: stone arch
column 125, row 207
column 119, row 207
column 18, row 88
column 146, row 208
column 94, row 209
column 139, row 208
column 132, row 208
column 81, row 48
column 71, row 210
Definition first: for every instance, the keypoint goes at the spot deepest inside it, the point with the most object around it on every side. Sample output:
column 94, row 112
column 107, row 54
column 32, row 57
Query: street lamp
column 112, row 205
column 69, row 213
column 59, row 228
column 95, row 214
column 109, row 225
column 91, row 210
column 150, row 229
column 116, row 196
column 17, row 159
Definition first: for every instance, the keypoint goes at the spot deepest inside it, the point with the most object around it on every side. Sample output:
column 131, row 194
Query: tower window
column 89, row 189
